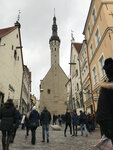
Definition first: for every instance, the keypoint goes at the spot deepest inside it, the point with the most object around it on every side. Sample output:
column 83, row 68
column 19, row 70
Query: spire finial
column 72, row 37
column 54, row 12
column 18, row 18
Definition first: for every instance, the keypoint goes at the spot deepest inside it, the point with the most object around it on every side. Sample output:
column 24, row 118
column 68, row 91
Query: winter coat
column 34, row 118
column 45, row 117
column 68, row 118
column 83, row 118
column 75, row 119
column 18, row 119
column 105, row 103
column 8, row 117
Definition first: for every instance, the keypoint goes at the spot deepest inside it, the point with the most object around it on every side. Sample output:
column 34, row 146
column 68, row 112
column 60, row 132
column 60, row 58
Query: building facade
column 11, row 64
column 52, row 88
column 76, row 96
column 98, row 33
column 84, row 70
column 26, row 89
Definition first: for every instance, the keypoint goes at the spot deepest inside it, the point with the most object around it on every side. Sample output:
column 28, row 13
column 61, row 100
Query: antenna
column 19, row 12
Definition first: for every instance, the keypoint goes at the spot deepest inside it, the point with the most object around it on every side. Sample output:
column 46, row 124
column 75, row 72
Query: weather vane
column 72, row 35
column 19, row 12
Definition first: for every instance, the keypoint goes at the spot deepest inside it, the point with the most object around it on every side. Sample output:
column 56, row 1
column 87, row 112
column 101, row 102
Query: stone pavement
column 57, row 141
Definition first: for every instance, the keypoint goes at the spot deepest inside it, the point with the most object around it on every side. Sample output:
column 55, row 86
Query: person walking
column 83, row 122
column 104, row 114
column 34, row 123
column 23, row 122
column 68, row 122
column 8, row 120
column 74, row 122
column 27, row 123
column 18, row 121
column 45, row 119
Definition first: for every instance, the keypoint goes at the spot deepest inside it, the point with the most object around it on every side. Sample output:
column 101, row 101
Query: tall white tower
column 54, row 44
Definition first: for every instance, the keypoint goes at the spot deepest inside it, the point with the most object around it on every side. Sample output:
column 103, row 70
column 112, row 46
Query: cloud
column 36, row 28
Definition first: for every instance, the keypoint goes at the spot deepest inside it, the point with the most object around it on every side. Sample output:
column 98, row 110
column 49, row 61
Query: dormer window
column 94, row 16
column 89, row 31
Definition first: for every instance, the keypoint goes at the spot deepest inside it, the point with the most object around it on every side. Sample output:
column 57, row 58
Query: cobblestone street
column 57, row 141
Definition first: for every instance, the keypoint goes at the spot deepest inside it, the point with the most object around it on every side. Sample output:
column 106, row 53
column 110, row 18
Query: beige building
column 76, row 97
column 32, row 101
column 26, row 89
column 69, row 95
column 84, row 70
column 11, row 64
column 52, row 88
column 98, row 32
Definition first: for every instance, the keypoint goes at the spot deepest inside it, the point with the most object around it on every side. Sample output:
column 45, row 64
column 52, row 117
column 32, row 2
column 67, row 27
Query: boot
column 47, row 139
column 4, row 143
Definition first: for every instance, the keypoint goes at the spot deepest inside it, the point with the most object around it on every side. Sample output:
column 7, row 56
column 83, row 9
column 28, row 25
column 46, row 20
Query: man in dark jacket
column 104, row 115
column 8, row 120
column 83, row 122
column 34, row 123
column 18, row 116
column 68, row 122
column 45, row 119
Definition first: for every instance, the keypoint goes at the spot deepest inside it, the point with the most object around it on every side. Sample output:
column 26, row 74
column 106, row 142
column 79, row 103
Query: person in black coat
column 18, row 116
column 34, row 123
column 8, row 120
column 83, row 122
column 68, row 122
column 45, row 119
column 104, row 114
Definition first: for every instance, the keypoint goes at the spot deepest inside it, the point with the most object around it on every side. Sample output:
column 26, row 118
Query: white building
column 11, row 64
column 76, row 93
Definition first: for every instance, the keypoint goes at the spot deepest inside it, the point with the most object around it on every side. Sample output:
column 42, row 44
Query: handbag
column 105, row 144
column 33, row 125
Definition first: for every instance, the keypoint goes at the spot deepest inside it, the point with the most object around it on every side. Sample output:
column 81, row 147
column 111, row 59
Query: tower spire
column 54, row 30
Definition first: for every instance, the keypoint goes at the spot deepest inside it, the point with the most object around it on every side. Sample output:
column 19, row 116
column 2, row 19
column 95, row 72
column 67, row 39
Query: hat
column 108, row 63
column 34, row 108
column 9, row 101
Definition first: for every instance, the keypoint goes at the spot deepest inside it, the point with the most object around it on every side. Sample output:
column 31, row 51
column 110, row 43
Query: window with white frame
column 101, row 64
column 94, row 75
column 91, row 51
column 97, row 37
column 89, row 31
column 94, row 15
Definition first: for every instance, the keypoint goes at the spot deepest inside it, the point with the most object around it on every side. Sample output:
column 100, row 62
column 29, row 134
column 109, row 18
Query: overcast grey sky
column 36, row 20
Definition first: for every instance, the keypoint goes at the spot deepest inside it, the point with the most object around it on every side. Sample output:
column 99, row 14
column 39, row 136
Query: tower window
column 55, row 49
column 48, row 91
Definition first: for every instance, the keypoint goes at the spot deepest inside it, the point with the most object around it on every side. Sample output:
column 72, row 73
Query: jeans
column 5, row 139
column 74, row 128
column 45, row 128
column 83, row 126
column 66, row 125
column 33, row 134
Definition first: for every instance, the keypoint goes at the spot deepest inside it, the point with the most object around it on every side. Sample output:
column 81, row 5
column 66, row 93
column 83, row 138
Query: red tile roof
column 5, row 31
column 77, row 46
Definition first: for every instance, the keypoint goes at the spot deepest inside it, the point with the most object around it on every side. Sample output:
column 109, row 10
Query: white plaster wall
column 10, row 69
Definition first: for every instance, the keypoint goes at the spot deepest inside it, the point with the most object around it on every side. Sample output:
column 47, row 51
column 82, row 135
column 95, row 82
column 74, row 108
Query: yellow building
column 98, row 33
